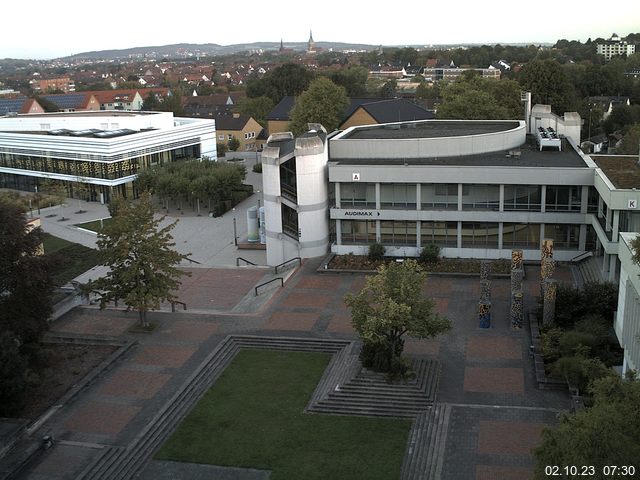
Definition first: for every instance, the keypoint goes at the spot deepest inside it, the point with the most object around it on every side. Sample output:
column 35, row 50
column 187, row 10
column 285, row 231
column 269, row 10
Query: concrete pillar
column 378, row 234
column 459, row 198
column 377, row 196
column 418, row 197
column 584, row 199
column 608, row 221
column 613, row 264
column 616, row 225
column 338, row 194
column 541, row 235
column 338, row 232
column 501, row 202
column 418, row 234
column 500, row 233
column 543, row 200
column 582, row 239
column 459, row 234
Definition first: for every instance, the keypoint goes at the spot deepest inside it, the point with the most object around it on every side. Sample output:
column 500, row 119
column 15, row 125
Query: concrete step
column 367, row 412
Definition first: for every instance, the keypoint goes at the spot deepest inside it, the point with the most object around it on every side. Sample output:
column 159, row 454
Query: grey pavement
column 165, row 470
column 210, row 241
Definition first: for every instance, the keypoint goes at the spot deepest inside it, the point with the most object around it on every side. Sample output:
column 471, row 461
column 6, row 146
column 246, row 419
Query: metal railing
column 288, row 261
column 581, row 256
column 267, row 283
column 244, row 260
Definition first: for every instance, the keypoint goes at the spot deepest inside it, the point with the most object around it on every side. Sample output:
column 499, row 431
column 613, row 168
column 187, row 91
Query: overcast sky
column 39, row 29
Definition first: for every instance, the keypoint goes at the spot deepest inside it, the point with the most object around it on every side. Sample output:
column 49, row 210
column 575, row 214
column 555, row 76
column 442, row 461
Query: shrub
column 257, row 168
column 430, row 253
column 376, row 252
column 221, row 149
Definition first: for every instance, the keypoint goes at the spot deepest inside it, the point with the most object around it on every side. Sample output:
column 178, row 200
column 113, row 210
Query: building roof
column 69, row 100
column 441, row 128
column 383, row 110
column 622, row 170
column 529, row 156
column 229, row 122
column 8, row 105
column 114, row 96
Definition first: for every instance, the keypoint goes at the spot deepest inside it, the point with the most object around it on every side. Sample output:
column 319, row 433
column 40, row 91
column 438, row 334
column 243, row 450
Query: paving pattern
column 486, row 417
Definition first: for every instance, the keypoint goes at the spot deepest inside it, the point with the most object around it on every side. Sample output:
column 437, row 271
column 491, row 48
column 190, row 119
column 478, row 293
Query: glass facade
column 443, row 234
column 393, row 232
column 481, row 197
column 288, row 184
column 523, row 198
column 520, row 235
column 358, row 195
column 290, row 221
column 563, row 199
column 401, row 196
column 480, row 235
column 358, row 232
column 441, row 196
column 565, row 237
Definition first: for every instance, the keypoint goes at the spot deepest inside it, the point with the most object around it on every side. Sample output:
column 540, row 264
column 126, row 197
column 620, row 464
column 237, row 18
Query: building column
column 501, row 207
column 418, row 234
column 607, row 227
column 459, row 200
column 584, row 199
column 378, row 234
column 418, row 197
column 378, row 200
column 582, row 239
column 543, row 198
column 605, row 264
column 459, row 234
column 500, row 228
column 338, row 194
column 613, row 267
column 600, row 203
column 338, row 232
column 616, row 225
column 541, row 235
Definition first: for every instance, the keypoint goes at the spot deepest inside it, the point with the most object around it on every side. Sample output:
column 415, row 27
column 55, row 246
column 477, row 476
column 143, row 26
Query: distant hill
column 210, row 49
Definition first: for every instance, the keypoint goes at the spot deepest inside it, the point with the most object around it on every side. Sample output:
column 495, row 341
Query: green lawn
column 253, row 417
column 94, row 225
column 71, row 259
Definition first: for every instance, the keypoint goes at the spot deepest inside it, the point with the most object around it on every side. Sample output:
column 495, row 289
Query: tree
column 606, row 434
column 221, row 149
column 323, row 102
column 549, row 85
column 258, row 108
column 233, row 144
column 392, row 304
column 139, row 253
column 475, row 98
column 151, row 103
column 353, row 79
column 25, row 301
column 388, row 90
column 287, row 79
column 630, row 144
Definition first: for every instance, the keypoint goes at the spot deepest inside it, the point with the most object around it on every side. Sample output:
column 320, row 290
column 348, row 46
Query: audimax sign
column 361, row 213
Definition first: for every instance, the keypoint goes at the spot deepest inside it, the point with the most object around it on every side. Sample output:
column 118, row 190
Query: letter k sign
column 632, row 204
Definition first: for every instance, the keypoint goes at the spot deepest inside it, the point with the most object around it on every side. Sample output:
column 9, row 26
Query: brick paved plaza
column 497, row 411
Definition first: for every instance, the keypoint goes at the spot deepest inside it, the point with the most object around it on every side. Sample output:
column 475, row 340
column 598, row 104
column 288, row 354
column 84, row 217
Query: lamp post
column 235, row 231
column 258, row 192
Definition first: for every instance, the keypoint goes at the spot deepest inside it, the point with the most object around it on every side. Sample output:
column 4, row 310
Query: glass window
column 521, row 235
column 564, row 236
column 440, row 196
column 398, row 233
column 479, row 235
column 443, row 234
column 481, row 197
column 563, row 198
column 592, row 200
column 289, row 221
column 523, row 197
column 358, row 231
column 357, row 194
column 401, row 196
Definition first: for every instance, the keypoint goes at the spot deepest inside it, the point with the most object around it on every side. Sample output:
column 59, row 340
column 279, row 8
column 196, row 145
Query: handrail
column 267, row 283
column 193, row 261
column 244, row 260
column 173, row 305
column 581, row 256
column 290, row 260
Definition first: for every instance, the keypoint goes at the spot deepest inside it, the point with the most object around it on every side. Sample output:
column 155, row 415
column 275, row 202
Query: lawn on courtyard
column 95, row 225
column 253, row 417
column 71, row 259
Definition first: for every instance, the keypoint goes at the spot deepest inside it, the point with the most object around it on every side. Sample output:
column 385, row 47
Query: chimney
column 236, row 115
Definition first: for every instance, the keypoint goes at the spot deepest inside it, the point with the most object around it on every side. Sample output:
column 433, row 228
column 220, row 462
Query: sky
column 48, row 30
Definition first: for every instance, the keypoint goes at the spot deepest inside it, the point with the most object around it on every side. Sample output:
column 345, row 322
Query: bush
column 222, row 149
column 376, row 252
column 430, row 254
column 257, row 168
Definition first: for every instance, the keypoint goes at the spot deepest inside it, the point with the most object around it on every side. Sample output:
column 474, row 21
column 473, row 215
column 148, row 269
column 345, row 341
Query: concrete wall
column 627, row 319
column 569, row 125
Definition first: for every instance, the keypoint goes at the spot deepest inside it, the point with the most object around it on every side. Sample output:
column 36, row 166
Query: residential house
column 19, row 105
column 64, row 84
column 212, row 105
column 72, row 102
column 243, row 128
column 609, row 103
column 615, row 47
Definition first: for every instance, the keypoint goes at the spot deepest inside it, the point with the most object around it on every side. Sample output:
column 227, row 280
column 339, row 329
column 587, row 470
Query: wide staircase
column 588, row 270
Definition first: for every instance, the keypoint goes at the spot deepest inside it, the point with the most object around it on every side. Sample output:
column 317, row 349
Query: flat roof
column 90, row 113
column 529, row 156
column 622, row 170
column 430, row 129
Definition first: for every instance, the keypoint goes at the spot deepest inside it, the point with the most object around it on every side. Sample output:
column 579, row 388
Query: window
column 289, row 221
column 443, row 234
column 523, row 197
column 401, row 196
column 220, row 137
column 563, row 199
column 398, row 233
column 565, row 237
column 441, row 196
column 356, row 194
column 229, row 137
column 521, row 235
column 358, row 232
column 479, row 235
column 481, row 197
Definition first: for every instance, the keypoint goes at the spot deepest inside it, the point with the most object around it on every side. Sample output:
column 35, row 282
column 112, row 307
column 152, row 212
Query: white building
column 614, row 47
column 104, row 149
